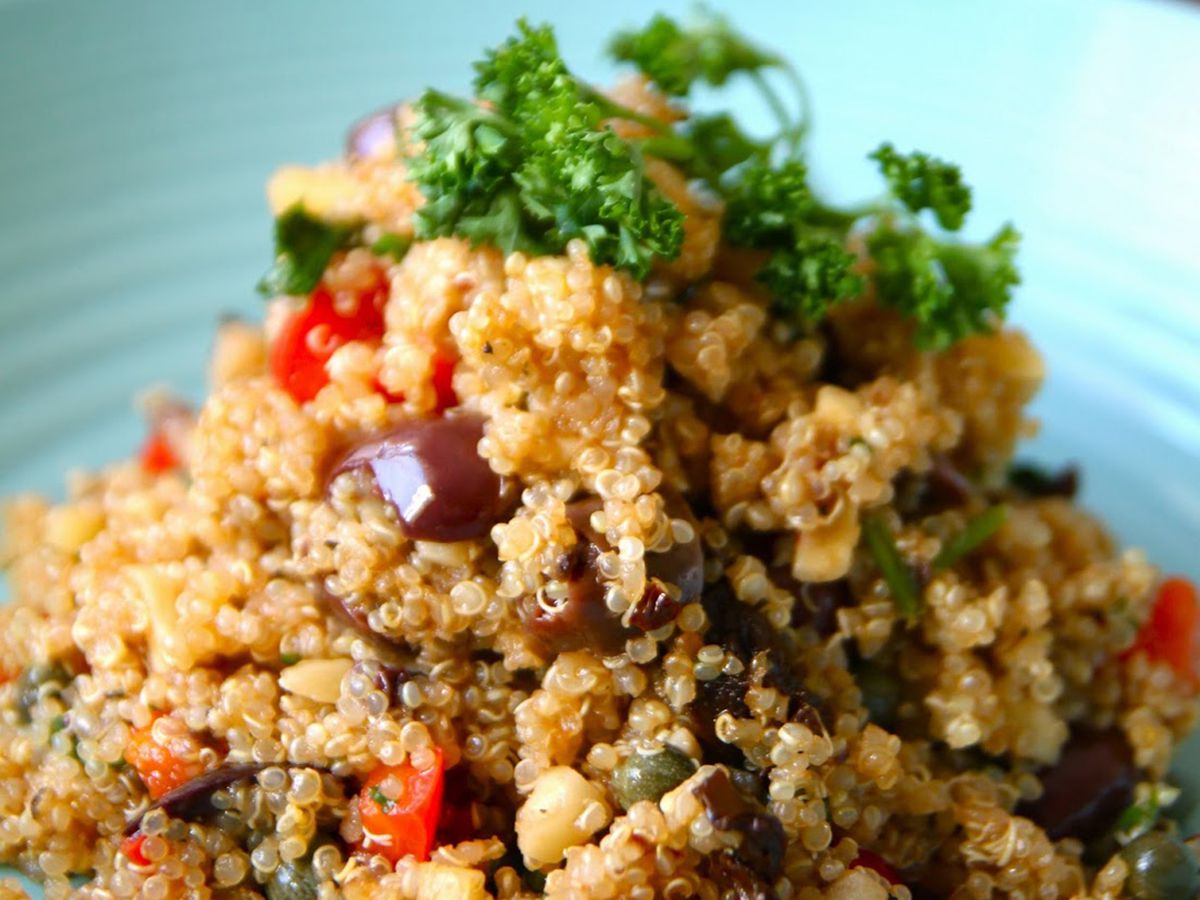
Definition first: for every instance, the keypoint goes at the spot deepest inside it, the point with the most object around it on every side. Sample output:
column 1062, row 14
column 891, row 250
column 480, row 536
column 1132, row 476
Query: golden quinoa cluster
column 259, row 606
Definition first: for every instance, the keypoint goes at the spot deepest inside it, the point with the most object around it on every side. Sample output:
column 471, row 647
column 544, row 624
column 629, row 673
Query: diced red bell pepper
column 443, row 382
column 159, row 768
column 1172, row 633
column 157, row 455
column 131, row 848
column 310, row 336
column 399, row 807
column 868, row 859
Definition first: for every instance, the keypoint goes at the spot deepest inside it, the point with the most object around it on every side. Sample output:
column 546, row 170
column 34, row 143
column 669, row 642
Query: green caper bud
column 1161, row 867
column 880, row 692
column 648, row 774
column 294, row 880
column 29, row 688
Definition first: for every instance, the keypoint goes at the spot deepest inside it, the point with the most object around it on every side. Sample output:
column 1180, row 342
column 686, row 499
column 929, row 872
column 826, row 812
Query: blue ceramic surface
column 135, row 138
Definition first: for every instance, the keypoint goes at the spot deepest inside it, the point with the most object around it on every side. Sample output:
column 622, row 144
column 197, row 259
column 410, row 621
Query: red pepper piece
column 399, row 807
column 443, row 382
column 131, row 848
column 1172, row 633
column 310, row 336
column 868, row 859
column 157, row 456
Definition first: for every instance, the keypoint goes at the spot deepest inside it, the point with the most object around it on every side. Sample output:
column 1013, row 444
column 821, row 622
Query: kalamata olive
column 817, row 602
column 193, row 799
column 373, row 134
column 1161, row 867
column 430, row 470
column 293, row 880
column 583, row 618
column 1035, row 481
column 763, row 837
column 1087, row 789
column 736, row 879
column 647, row 775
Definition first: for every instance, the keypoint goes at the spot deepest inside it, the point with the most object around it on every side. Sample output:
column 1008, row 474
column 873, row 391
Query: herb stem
column 895, row 571
column 977, row 530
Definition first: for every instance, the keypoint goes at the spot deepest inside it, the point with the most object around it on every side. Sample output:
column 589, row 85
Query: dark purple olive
column 763, row 837
column 193, row 799
column 372, row 134
column 430, row 470
column 583, row 619
column 1088, row 788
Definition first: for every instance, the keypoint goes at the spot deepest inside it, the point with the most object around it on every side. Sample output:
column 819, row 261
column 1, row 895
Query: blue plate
column 137, row 137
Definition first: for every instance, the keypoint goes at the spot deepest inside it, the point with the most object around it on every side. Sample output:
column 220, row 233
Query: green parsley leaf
column 289, row 659
column 899, row 577
column 809, row 277
column 950, row 290
column 304, row 245
column 809, row 268
column 767, row 204
column 675, row 58
column 977, row 530
column 391, row 244
column 540, row 167
column 921, row 181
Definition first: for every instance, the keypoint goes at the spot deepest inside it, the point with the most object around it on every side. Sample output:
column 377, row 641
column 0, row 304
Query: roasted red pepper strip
column 399, row 807
column 159, row 768
column 1172, row 633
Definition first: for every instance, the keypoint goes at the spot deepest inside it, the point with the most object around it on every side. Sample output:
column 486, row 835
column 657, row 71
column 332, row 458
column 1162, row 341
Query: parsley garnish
column 921, row 181
column 391, row 244
column 899, row 577
column 289, row 659
column 538, row 167
column 304, row 245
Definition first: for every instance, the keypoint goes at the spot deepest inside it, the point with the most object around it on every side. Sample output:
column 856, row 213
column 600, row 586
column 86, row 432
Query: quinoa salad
column 597, row 511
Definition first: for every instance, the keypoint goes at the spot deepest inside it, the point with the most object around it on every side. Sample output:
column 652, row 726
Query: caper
column 880, row 692
column 648, row 774
column 293, row 880
column 1161, row 867
column 29, row 688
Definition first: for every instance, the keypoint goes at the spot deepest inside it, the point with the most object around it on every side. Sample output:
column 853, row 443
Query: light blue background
column 135, row 138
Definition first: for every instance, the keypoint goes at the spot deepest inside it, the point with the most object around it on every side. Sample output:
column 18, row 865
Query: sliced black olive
column 372, row 133
column 193, row 799
column 1161, row 867
column 737, row 880
column 1087, row 789
column 763, row 838
column 647, row 775
column 1035, row 481
column 430, row 470
column 583, row 618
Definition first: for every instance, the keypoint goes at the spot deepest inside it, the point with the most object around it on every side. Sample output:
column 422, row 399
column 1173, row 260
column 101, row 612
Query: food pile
column 598, row 512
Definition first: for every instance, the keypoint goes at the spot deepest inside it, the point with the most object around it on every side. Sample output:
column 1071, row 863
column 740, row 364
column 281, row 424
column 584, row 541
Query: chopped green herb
column 921, row 181
column 304, row 245
column 977, row 530
column 897, row 574
column 383, row 800
column 289, row 659
column 1140, row 816
column 539, row 167
column 58, row 723
column 393, row 245
column 120, row 764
